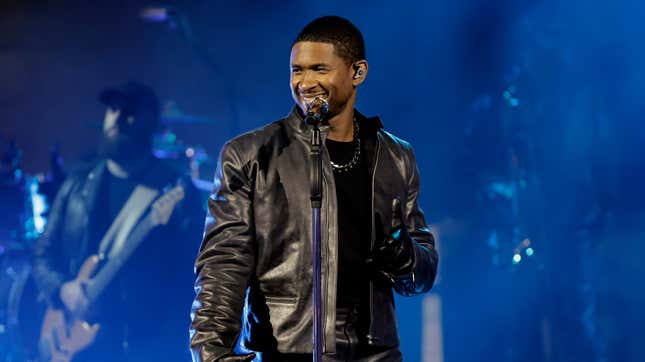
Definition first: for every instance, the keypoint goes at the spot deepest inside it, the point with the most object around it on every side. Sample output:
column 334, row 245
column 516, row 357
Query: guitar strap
column 138, row 202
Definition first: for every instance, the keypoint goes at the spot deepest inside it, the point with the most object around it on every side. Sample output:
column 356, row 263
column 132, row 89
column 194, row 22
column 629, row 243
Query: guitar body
column 62, row 335
column 62, row 340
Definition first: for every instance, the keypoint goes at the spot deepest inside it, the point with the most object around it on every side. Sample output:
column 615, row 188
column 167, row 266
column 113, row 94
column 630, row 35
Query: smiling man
column 254, row 269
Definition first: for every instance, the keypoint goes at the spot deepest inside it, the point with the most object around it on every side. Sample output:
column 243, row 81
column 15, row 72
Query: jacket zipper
column 370, row 337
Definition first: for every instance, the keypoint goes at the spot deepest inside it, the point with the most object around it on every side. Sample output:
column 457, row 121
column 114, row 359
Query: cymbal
column 166, row 146
column 171, row 114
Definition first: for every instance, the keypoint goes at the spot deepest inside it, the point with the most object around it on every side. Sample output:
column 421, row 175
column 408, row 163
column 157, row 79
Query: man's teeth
column 311, row 98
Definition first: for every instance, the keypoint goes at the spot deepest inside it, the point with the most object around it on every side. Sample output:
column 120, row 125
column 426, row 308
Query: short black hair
column 345, row 36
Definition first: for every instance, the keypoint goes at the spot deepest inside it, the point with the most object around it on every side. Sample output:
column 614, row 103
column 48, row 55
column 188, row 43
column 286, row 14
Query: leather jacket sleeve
column 426, row 258
column 225, row 262
column 47, row 277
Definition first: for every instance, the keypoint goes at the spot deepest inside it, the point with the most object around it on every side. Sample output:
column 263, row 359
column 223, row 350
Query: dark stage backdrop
column 526, row 117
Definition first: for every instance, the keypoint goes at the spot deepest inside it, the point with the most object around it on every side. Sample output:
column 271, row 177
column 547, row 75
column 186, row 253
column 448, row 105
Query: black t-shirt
column 353, row 189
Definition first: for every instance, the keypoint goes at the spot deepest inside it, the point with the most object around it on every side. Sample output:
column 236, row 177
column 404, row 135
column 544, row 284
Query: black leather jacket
column 254, row 269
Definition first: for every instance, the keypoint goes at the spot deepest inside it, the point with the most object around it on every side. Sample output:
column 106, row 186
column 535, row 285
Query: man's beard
column 123, row 147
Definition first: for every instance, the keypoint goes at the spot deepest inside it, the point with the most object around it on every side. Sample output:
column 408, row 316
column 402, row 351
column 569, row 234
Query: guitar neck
column 113, row 265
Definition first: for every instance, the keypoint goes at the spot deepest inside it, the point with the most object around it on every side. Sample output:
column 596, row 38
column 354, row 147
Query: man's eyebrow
column 311, row 66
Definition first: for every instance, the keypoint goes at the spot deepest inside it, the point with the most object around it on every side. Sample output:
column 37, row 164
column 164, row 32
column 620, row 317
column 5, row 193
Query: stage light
column 517, row 258
column 39, row 207
column 529, row 251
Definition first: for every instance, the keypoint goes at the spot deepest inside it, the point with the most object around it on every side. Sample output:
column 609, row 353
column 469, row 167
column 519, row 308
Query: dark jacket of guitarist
column 141, row 311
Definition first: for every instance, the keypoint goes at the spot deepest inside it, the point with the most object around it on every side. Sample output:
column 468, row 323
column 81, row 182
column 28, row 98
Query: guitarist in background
column 140, row 314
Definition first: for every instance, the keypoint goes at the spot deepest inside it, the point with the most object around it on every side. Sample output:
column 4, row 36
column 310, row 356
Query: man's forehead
column 310, row 51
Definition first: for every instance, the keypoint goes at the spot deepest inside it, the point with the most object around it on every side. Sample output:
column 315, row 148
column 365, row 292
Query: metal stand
column 316, row 202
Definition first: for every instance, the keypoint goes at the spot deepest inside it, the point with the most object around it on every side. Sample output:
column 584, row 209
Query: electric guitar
column 63, row 334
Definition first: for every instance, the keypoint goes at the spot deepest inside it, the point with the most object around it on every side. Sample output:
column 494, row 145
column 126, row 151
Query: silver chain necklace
column 356, row 158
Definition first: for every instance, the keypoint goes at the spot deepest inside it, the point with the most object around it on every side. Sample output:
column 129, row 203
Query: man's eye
column 296, row 71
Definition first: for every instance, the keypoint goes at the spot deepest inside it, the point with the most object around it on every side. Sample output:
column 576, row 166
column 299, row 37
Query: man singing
column 254, row 269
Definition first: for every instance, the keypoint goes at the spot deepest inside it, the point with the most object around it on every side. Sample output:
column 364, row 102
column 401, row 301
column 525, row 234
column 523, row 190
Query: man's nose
column 308, row 81
column 110, row 119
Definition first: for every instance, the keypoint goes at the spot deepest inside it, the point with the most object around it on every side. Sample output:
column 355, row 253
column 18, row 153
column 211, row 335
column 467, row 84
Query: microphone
column 316, row 111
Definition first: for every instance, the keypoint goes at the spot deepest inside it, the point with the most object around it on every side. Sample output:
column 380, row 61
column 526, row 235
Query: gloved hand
column 237, row 358
column 394, row 254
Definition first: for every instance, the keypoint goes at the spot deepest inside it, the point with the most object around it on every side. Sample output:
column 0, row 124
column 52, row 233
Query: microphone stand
column 316, row 202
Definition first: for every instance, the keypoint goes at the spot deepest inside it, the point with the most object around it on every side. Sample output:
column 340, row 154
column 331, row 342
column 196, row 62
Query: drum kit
column 23, row 220
column 24, row 206
column 193, row 158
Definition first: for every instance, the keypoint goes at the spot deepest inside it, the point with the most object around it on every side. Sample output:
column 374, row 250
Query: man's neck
column 125, row 169
column 342, row 126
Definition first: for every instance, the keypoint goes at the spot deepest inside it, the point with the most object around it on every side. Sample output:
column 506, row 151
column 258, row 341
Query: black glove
column 394, row 255
column 237, row 358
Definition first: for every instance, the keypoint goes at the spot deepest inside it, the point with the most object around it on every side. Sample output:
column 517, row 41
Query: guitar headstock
column 162, row 208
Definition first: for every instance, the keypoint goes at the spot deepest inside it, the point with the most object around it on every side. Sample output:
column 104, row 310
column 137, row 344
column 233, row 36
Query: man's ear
column 360, row 72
